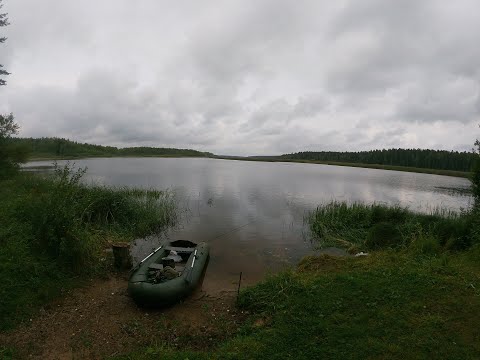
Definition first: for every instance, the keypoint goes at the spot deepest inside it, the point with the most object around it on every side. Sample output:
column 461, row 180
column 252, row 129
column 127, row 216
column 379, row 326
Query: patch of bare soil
column 101, row 320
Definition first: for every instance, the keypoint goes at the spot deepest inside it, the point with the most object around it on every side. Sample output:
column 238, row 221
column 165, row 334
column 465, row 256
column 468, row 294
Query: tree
column 7, row 126
column 3, row 22
column 10, row 154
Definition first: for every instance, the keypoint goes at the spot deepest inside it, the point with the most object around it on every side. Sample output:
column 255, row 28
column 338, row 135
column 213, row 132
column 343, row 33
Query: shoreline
column 411, row 291
column 452, row 173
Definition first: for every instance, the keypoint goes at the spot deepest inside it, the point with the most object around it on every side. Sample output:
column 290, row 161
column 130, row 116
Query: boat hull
column 167, row 293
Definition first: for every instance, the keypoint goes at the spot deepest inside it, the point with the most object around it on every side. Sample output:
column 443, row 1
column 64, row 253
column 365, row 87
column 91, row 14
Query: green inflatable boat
column 168, row 274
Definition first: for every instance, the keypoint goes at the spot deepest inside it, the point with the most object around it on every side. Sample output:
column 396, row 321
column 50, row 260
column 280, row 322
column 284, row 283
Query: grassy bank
column 454, row 173
column 54, row 232
column 415, row 296
column 389, row 305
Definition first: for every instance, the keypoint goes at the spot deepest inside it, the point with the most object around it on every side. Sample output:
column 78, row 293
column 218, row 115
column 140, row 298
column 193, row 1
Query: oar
column 148, row 256
column 188, row 278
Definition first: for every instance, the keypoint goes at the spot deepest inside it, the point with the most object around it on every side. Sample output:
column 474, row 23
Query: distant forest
column 56, row 147
column 429, row 159
column 416, row 158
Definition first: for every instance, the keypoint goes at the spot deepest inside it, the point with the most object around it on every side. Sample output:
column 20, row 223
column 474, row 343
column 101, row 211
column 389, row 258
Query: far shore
column 461, row 174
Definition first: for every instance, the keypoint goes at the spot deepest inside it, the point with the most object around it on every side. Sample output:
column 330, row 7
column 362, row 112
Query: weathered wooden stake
column 121, row 256
column 239, row 282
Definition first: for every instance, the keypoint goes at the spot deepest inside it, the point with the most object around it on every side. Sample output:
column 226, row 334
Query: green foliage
column 68, row 217
column 359, row 226
column 3, row 22
column 63, row 148
column 8, row 127
column 10, row 154
column 54, row 230
column 415, row 158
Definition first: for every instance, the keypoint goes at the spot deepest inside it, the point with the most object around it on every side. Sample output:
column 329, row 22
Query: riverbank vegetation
column 360, row 227
column 55, row 230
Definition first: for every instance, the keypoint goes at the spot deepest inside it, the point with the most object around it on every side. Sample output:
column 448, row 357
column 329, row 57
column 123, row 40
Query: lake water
column 251, row 213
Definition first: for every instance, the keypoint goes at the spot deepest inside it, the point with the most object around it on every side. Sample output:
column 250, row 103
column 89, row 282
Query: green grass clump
column 54, row 230
column 372, row 227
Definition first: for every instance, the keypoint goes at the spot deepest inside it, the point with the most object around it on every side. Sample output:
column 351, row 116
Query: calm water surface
column 251, row 213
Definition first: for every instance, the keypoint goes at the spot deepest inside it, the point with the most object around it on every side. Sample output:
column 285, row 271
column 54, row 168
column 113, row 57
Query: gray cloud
column 440, row 98
column 246, row 77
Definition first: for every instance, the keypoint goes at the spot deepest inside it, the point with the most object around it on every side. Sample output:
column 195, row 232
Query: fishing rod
column 232, row 230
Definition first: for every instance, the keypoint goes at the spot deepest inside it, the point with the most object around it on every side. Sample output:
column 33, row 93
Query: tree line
column 420, row 158
column 59, row 147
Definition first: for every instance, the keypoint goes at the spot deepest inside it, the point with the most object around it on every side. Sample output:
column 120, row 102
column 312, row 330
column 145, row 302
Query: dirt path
column 101, row 320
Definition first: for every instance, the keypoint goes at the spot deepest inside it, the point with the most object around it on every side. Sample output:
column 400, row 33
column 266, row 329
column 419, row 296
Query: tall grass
column 70, row 221
column 371, row 227
column 55, row 228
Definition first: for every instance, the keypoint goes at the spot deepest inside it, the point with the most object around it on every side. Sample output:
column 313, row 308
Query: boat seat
column 183, row 250
column 155, row 266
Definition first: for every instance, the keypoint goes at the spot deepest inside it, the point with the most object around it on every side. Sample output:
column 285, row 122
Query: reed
column 372, row 227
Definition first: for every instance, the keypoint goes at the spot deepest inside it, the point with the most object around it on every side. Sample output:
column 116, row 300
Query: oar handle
column 148, row 256
column 153, row 252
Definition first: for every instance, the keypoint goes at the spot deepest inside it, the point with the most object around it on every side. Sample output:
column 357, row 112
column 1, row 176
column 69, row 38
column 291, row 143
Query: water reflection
column 252, row 213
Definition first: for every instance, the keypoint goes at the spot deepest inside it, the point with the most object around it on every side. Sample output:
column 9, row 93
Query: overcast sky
column 246, row 77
